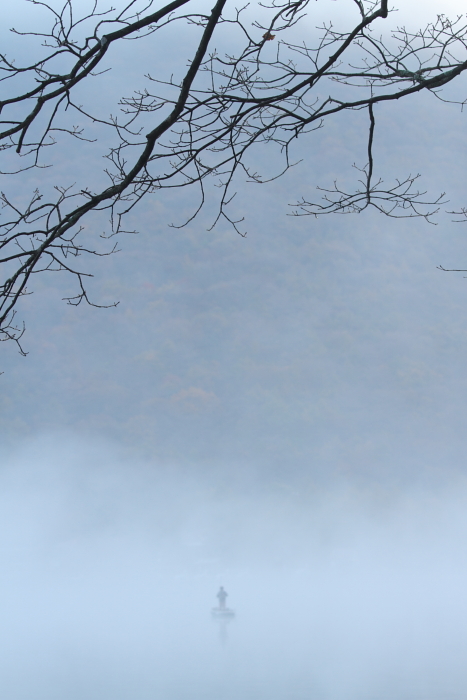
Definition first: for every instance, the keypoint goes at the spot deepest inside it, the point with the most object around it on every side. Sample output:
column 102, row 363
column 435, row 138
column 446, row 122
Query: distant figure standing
column 222, row 597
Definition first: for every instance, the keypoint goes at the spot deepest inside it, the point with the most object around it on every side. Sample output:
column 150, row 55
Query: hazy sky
column 283, row 414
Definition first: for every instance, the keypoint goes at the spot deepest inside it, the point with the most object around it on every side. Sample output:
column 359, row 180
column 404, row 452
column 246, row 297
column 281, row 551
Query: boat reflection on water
column 222, row 614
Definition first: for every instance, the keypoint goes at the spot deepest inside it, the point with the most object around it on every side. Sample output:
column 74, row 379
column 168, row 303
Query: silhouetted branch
column 175, row 133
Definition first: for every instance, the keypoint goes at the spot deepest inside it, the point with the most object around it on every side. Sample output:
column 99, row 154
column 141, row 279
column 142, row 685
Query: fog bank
column 111, row 568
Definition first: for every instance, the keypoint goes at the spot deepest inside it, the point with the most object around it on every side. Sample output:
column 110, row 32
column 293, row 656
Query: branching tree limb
column 270, row 89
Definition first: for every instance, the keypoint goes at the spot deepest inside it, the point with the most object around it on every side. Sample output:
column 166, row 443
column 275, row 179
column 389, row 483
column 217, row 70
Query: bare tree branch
column 205, row 125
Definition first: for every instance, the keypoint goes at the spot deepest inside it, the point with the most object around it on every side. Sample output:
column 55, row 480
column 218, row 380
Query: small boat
column 223, row 613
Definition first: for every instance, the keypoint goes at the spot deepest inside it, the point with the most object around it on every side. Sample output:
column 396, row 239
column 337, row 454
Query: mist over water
column 110, row 570
column 324, row 358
